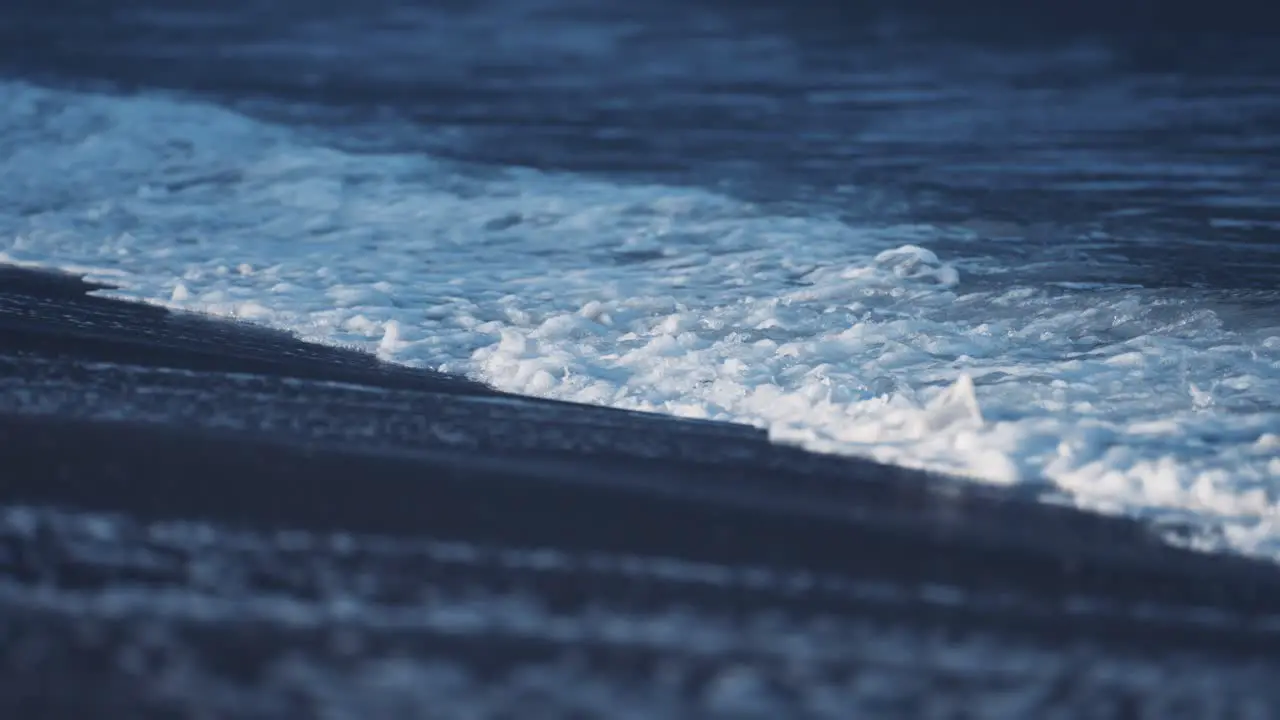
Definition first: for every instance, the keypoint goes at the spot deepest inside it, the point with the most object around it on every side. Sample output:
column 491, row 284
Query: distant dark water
column 1137, row 142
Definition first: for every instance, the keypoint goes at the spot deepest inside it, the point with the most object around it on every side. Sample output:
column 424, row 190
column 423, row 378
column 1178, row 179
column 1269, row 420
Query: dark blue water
column 1141, row 140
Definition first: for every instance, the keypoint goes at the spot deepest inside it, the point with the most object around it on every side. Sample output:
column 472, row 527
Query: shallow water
column 1049, row 262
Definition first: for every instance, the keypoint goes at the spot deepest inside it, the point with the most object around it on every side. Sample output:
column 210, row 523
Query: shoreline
column 148, row 417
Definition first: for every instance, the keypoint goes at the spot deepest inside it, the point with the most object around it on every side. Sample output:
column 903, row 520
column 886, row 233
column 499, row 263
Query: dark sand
column 131, row 418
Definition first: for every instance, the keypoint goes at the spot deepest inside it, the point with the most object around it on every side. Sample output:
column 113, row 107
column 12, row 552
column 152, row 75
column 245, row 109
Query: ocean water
column 1021, row 257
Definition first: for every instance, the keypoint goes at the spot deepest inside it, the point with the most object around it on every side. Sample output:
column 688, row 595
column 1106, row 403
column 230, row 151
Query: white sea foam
column 842, row 338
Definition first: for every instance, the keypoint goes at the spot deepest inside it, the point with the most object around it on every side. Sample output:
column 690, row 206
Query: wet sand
column 131, row 418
